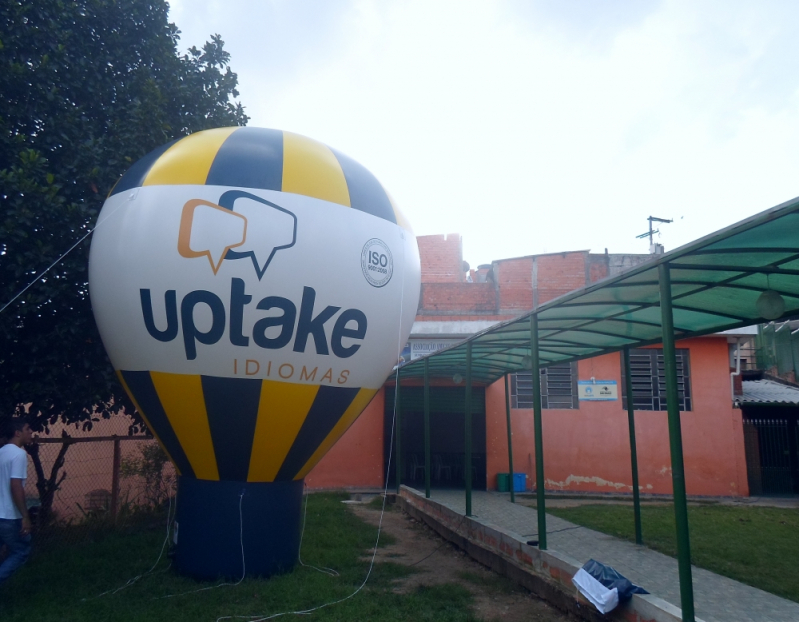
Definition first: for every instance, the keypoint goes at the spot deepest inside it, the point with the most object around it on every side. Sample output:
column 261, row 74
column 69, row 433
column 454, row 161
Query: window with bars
column 649, row 379
column 558, row 387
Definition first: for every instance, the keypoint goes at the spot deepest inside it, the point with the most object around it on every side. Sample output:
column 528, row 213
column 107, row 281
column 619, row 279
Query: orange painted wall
column 588, row 449
column 356, row 460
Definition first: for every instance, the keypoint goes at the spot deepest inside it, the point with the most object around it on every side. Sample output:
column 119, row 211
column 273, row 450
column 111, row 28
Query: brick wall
column 514, row 278
column 559, row 274
column 442, row 258
column 458, row 298
column 525, row 282
column 513, row 286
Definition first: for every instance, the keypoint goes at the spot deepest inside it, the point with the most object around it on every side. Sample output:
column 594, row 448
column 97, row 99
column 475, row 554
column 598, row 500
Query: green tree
column 88, row 87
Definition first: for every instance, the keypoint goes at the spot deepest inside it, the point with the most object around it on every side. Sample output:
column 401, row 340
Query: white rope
column 224, row 583
column 130, row 582
column 323, row 569
column 60, row 259
column 304, row 612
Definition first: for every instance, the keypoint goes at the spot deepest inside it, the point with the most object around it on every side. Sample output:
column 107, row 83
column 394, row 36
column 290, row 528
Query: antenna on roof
column 651, row 232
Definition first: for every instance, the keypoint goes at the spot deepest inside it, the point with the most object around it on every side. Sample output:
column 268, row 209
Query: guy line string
column 263, row 618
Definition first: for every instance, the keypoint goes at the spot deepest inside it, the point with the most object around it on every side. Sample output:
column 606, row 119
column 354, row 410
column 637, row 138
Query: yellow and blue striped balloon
column 266, row 159
column 248, row 372
column 243, row 429
column 266, row 427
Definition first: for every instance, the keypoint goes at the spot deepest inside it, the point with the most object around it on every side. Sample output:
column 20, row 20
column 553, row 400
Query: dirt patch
column 437, row 561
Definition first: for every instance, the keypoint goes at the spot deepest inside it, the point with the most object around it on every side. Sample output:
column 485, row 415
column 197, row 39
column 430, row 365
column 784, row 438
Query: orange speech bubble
column 206, row 229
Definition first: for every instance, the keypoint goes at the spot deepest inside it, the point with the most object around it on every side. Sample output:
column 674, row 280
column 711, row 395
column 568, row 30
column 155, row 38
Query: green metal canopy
column 741, row 275
column 715, row 285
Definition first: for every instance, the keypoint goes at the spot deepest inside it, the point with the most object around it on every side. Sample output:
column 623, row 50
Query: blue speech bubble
column 228, row 201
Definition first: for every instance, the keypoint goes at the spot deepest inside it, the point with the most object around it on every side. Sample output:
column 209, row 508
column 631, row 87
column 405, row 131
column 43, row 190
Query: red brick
column 458, row 297
column 441, row 257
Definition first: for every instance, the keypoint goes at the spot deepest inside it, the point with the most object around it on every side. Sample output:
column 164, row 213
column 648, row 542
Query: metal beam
column 628, row 383
column 467, row 458
column 427, row 428
column 535, row 368
column 738, row 251
column 675, row 442
column 510, row 441
column 743, row 269
column 609, row 318
column 398, row 433
column 738, row 318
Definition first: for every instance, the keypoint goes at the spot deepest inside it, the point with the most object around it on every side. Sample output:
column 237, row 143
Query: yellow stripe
column 281, row 413
column 184, row 404
column 188, row 160
column 311, row 169
column 141, row 412
column 360, row 402
column 401, row 220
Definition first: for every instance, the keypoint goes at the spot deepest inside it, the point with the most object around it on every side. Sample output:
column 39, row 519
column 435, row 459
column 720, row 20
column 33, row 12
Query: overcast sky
column 533, row 127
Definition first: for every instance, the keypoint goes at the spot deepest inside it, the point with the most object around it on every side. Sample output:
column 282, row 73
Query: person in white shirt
column 15, row 523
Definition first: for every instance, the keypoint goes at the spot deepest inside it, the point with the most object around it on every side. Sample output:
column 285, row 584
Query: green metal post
column 539, row 443
column 398, row 436
column 427, row 428
column 675, row 440
column 633, row 451
column 510, row 440
column 467, row 458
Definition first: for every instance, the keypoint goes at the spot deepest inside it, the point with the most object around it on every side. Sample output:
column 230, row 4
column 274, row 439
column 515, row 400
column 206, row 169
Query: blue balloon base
column 215, row 518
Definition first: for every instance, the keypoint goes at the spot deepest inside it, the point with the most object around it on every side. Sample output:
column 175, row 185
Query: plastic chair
column 416, row 466
column 439, row 467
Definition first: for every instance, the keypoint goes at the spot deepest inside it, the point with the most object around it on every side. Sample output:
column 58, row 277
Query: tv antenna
column 652, row 232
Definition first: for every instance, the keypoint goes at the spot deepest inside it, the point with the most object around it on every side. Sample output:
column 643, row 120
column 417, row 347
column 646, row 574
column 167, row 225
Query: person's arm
column 18, row 495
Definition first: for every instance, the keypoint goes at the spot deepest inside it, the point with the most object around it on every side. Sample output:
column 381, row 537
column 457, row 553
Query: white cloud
column 528, row 128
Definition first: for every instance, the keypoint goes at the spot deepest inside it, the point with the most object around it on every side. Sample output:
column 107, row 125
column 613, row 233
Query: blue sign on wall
column 597, row 390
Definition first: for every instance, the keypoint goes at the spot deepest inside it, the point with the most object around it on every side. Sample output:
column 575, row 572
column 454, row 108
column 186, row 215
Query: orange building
column 586, row 441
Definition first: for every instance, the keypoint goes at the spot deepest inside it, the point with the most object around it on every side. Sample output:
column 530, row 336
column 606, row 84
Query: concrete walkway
column 716, row 598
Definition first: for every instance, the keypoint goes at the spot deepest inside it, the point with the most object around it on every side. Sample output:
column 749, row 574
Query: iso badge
column 376, row 262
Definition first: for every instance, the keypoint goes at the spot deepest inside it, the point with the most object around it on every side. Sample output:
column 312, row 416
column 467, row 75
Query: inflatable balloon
column 253, row 289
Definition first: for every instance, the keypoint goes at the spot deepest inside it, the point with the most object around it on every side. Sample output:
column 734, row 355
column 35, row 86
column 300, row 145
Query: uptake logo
column 214, row 231
column 242, row 221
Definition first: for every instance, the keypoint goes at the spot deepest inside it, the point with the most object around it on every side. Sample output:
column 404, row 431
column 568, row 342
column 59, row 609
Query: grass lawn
column 63, row 582
column 755, row 545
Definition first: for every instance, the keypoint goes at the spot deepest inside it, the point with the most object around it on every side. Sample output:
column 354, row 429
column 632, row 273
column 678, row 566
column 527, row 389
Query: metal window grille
column 558, row 387
column 649, row 379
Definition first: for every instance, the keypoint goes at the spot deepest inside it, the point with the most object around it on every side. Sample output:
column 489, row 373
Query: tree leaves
column 89, row 87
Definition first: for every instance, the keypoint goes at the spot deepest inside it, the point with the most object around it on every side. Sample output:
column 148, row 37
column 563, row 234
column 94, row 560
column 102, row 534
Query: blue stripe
column 327, row 408
column 251, row 157
column 232, row 407
column 141, row 385
column 366, row 193
column 134, row 178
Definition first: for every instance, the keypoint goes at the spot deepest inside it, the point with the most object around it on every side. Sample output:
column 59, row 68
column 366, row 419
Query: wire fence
column 77, row 485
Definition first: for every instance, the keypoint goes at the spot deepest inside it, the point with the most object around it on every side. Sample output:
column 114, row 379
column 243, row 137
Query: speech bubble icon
column 210, row 230
column 270, row 228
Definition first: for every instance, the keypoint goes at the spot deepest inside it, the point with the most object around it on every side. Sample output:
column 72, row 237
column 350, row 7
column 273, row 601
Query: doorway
column 447, row 437
column 771, row 437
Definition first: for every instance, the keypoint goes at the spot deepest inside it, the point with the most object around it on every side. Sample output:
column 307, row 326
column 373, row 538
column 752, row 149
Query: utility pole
column 652, row 232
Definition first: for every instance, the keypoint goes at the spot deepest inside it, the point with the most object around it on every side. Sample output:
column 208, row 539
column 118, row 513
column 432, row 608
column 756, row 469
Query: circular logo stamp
column 376, row 262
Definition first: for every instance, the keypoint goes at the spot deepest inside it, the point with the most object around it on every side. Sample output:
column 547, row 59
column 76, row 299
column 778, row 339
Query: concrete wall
column 356, row 460
column 587, row 449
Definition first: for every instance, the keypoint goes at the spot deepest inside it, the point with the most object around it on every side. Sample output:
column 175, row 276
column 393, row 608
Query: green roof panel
column 716, row 283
